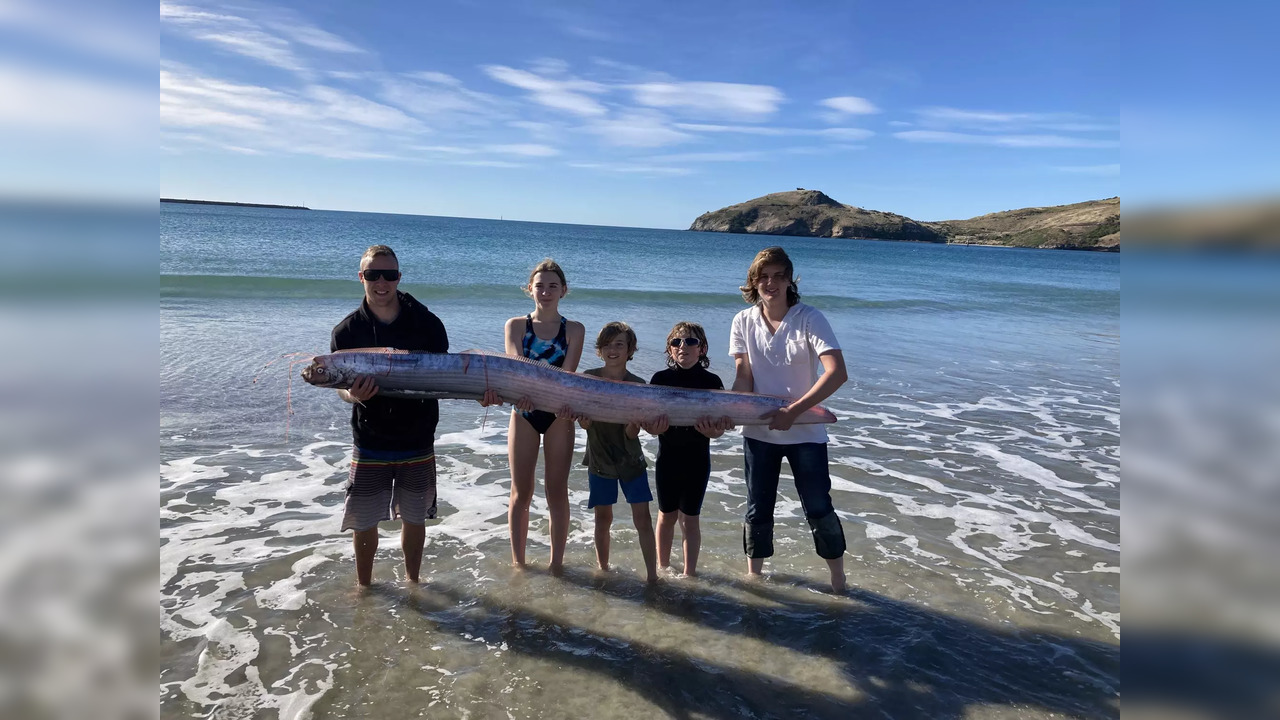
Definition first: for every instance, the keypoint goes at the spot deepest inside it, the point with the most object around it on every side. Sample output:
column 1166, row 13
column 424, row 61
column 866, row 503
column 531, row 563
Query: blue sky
column 639, row 114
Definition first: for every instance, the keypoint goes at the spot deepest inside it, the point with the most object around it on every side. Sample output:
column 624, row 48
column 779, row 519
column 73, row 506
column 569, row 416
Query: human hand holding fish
column 782, row 418
column 490, row 398
column 713, row 427
column 361, row 390
column 656, row 426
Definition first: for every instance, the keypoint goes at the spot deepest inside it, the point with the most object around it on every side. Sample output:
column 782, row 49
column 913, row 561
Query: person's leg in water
column 604, row 523
column 365, row 544
column 413, row 537
column 522, row 454
column 666, row 536
column 691, row 530
column 763, row 462
column 644, row 526
column 557, row 446
column 813, row 484
column 668, row 511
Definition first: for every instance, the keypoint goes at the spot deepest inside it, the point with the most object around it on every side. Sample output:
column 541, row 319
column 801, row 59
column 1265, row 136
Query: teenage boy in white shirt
column 777, row 346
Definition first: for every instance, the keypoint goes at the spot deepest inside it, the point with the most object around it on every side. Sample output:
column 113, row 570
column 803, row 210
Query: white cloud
column 345, row 106
column 488, row 163
column 447, row 149
column 840, row 133
column 997, row 121
column 846, row 133
column 637, row 129
column 524, row 149
column 709, row 157
column 437, row 100
column 319, row 39
column 315, row 120
column 255, row 44
column 742, row 129
column 438, row 78
column 976, row 118
column 1016, row 141
column 850, row 105
column 558, row 94
column 268, row 40
column 730, row 100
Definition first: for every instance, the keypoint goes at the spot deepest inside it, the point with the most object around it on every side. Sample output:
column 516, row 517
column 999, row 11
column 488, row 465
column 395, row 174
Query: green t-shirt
column 610, row 453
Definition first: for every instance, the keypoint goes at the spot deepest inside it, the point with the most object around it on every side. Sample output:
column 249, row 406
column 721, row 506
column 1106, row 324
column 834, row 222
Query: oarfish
column 467, row 375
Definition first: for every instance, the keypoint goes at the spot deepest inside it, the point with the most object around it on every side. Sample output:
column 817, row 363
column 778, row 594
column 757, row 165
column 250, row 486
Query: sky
column 639, row 114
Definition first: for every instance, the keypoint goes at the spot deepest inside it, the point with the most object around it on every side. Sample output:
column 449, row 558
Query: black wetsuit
column 684, row 454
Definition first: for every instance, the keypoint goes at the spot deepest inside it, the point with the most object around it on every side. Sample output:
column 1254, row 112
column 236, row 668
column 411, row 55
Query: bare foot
column 691, row 573
column 652, row 579
column 838, row 584
column 556, row 569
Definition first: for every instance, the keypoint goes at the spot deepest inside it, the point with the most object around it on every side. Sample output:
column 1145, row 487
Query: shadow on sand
column 900, row 660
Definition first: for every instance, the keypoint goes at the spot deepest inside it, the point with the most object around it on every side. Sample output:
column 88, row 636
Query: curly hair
column 688, row 328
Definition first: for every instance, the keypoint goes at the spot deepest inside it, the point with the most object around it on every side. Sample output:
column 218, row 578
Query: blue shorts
column 604, row 491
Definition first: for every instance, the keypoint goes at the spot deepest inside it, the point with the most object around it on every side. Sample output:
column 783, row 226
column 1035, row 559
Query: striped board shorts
column 389, row 485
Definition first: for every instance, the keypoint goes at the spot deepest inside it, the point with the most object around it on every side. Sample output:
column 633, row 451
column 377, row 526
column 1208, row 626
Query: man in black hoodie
column 393, row 462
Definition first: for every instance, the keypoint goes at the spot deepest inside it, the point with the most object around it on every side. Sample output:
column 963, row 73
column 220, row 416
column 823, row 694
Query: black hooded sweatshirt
column 386, row 423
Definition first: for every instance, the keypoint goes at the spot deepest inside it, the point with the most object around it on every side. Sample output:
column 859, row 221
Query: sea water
column 975, row 467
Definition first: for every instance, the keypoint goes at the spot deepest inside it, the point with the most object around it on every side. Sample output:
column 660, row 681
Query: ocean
column 975, row 467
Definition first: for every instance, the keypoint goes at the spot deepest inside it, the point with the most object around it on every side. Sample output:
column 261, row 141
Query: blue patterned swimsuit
column 552, row 352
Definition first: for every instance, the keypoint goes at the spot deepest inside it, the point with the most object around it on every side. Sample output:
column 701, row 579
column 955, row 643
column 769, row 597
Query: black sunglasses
column 372, row 275
column 687, row 342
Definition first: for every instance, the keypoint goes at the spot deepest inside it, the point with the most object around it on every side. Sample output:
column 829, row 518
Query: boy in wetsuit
column 684, row 452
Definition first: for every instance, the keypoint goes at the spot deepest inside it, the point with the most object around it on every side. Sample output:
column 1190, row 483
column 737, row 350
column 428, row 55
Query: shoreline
column 232, row 204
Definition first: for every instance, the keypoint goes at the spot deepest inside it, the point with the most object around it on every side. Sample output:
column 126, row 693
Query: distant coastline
column 233, row 204
column 1090, row 225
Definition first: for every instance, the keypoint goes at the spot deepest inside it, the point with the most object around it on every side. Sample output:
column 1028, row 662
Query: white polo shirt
column 784, row 362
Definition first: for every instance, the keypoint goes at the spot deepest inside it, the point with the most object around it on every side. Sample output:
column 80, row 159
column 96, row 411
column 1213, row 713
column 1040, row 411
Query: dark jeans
column 808, row 463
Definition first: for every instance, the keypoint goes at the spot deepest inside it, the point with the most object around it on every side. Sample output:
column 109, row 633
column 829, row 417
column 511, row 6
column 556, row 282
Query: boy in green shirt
column 614, row 457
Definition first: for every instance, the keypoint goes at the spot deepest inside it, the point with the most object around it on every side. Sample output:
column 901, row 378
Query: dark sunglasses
column 372, row 275
column 687, row 342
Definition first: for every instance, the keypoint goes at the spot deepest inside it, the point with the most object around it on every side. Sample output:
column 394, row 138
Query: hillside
column 810, row 213
column 1092, row 225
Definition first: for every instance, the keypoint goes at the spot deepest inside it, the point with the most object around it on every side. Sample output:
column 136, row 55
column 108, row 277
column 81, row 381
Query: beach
column 975, row 467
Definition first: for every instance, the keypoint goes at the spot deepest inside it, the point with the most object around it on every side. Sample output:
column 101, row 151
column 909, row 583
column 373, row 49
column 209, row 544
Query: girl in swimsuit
column 548, row 336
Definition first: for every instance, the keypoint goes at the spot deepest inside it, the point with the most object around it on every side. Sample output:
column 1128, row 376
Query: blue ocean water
column 975, row 467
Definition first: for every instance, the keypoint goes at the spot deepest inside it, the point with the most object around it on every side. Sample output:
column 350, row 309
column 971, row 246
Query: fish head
column 324, row 374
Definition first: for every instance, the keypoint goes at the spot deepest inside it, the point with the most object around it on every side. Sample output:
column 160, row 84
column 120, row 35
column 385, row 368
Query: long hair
column 770, row 256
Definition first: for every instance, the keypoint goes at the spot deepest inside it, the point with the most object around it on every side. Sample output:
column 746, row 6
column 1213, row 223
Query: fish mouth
column 320, row 376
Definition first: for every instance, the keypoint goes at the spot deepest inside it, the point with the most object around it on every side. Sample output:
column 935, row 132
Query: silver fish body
column 467, row 376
